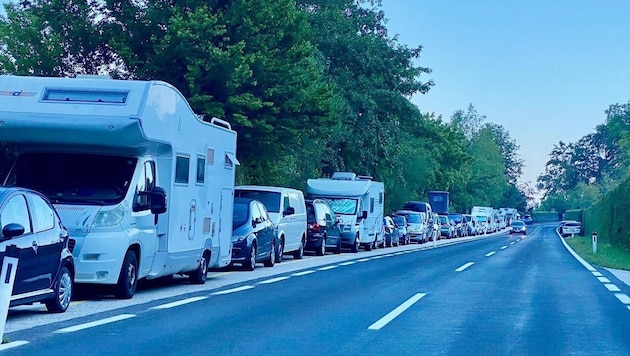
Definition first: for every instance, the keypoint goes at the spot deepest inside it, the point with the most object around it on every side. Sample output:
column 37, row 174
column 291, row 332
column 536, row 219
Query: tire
column 370, row 246
column 355, row 245
column 128, row 277
column 300, row 252
column 338, row 248
column 200, row 275
column 272, row 256
column 63, row 292
column 280, row 250
column 250, row 264
column 322, row 248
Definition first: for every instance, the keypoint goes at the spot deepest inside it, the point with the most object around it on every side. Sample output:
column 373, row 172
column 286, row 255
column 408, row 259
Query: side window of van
column 297, row 202
column 16, row 211
column 146, row 183
column 286, row 204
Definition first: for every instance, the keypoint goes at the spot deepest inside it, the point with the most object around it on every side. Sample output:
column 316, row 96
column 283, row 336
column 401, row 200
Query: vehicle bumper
column 98, row 256
column 240, row 251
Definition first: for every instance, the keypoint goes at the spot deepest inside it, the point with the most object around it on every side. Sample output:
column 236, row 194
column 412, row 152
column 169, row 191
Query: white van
column 287, row 210
column 143, row 184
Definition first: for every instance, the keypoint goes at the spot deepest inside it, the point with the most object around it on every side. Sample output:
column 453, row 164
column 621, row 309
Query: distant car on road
column 571, row 227
column 518, row 227
column 527, row 219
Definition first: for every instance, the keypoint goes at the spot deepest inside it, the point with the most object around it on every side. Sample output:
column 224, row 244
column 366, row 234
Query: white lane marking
column 577, row 257
column 364, row 260
column 347, row 263
column 464, row 266
column 233, row 290
column 95, row 323
column 490, row 253
column 178, row 303
column 512, row 243
column 327, row 268
column 628, row 307
column 612, row 287
column 273, row 280
column 603, row 279
column 303, row 273
column 377, row 257
column 517, row 240
column 623, row 298
column 396, row 312
column 503, row 247
column 12, row 344
column 597, row 274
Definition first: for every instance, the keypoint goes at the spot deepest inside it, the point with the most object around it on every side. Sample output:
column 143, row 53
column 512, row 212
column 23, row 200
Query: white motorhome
column 143, row 184
column 485, row 216
column 358, row 202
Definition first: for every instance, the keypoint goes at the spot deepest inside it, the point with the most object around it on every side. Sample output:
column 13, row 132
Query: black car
column 253, row 235
column 45, row 268
column 322, row 228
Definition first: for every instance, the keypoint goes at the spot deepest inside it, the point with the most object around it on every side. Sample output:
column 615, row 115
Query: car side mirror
column 12, row 230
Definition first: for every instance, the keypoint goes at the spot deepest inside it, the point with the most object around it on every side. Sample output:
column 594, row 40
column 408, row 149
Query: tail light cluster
column 315, row 227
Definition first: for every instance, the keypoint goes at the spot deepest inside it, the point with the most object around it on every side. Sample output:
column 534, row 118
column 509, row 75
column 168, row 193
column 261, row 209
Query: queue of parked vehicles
column 145, row 188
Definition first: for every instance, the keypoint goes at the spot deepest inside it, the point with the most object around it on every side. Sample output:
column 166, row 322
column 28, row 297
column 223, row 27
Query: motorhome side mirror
column 158, row 201
column 364, row 215
column 290, row 211
column 12, row 230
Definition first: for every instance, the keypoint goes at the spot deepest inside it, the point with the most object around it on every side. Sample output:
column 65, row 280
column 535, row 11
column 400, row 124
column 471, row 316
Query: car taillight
column 315, row 227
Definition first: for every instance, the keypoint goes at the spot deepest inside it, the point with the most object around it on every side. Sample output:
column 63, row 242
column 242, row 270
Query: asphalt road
column 497, row 295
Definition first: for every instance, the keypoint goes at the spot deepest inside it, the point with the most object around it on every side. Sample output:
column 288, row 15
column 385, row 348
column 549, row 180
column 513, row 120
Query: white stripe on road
column 603, row 279
column 95, row 323
column 303, row 273
column 347, row 263
column 233, row 290
column 464, row 266
column 597, row 274
column 364, row 260
column 273, row 280
column 12, row 344
column 517, row 240
column 503, row 247
column 490, row 253
column 396, row 312
column 512, row 243
column 327, row 268
column 623, row 298
column 178, row 303
column 612, row 287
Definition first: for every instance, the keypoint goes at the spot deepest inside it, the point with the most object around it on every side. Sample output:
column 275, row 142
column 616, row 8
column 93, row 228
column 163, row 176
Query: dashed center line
column 490, row 253
column 512, row 243
column 273, row 280
column 233, row 290
column 503, row 247
column 396, row 312
column 603, row 279
column 464, row 266
column 95, row 323
column 611, row 287
column 597, row 274
column 178, row 303
column 623, row 298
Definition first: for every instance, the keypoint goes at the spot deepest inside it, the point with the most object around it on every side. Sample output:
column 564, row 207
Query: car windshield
column 518, row 224
column 413, row 218
column 399, row 220
column 271, row 200
column 344, row 206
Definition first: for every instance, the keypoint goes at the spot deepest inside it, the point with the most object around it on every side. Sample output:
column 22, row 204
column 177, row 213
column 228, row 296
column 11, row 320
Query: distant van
column 287, row 210
column 419, row 206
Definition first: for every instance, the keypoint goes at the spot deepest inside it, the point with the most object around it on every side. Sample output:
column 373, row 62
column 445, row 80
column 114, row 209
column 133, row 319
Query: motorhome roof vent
column 86, row 96
column 365, row 177
column 344, row 176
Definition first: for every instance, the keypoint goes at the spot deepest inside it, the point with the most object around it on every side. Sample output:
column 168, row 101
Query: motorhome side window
column 371, row 205
column 182, row 167
column 146, row 183
column 201, row 170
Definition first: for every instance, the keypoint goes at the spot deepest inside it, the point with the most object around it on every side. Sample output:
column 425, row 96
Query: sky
column 544, row 70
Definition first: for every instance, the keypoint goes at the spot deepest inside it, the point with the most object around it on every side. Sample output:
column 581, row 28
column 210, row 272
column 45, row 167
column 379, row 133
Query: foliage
column 607, row 255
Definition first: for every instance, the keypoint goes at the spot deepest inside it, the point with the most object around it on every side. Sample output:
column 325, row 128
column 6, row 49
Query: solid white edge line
column 623, row 298
column 273, row 280
column 95, row 323
column 233, row 290
column 490, row 253
column 327, row 268
column 396, row 312
column 178, row 303
column 612, row 287
column 12, row 344
column 347, row 263
column 463, row 267
column 303, row 273
column 577, row 257
column 364, row 260
column 603, row 279
column 597, row 274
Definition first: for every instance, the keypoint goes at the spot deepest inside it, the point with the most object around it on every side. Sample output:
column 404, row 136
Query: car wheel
column 370, row 246
column 250, row 264
column 322, row 247
column 355, row 245
column 63, row 292
column 128, row 278
column 300, row 252
column 272, row 256
column 280, row 250
column 200, row 275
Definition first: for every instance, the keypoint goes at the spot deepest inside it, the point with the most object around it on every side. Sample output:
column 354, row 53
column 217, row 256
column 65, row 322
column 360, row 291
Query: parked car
column 253, row 235
column 460, row 228
column 401, row 225
column 392, row 237
column 415, row 225
column 287, row 211
column 469, row 225
column 434, row 230
column 45, row 269
column 527, row 219
column 518, row 227
column 322, row 229
column 570, row 228
column 447, row 227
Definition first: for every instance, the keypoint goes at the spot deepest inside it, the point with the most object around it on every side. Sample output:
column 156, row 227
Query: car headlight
column 109, row 218
column 238, row 238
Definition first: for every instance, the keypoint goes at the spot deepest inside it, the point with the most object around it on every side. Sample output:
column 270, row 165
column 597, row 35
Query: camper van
column 144, row 186
column 486, row 216
column 358, row 202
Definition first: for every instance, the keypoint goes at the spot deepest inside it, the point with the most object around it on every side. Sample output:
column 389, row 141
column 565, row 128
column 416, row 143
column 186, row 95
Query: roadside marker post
column 7, row 277
column 594, row 242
